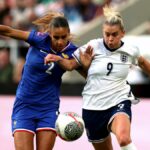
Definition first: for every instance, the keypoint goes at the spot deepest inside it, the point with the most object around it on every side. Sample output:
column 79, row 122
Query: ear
column 49, row 32
column 123, row 34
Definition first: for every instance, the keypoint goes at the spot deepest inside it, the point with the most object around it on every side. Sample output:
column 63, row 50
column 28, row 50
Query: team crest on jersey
column 65, row 55
column 124, row 58
column 40, row 33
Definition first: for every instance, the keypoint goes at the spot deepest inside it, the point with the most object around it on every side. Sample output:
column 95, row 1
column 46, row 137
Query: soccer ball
column 69, row 126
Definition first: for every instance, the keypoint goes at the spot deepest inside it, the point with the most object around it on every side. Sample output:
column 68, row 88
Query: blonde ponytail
column 112, row 17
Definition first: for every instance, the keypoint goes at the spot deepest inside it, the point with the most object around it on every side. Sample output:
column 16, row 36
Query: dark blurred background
column 85, row 19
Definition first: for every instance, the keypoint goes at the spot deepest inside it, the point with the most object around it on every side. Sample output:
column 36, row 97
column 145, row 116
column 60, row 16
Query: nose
column 111, row 38
column 60, row 42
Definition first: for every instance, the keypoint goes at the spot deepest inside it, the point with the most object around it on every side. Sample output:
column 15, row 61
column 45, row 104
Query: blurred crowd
column 20, row 14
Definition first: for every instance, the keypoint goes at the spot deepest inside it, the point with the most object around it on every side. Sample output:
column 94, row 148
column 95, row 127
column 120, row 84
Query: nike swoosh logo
column 43, row 51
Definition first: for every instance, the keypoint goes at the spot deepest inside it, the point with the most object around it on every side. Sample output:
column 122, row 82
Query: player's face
column 112, row 35
column 59, row 37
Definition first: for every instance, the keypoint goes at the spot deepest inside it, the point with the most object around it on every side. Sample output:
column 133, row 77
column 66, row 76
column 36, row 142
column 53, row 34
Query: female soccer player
column 107, row 96
column 37, row 99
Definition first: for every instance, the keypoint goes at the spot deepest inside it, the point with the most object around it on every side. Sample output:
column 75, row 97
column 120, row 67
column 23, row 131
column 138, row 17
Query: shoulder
column 69, row 50
column 35, row 35
column 130, row 49
column 39, row 40
column 95, row 42
column 72, row 46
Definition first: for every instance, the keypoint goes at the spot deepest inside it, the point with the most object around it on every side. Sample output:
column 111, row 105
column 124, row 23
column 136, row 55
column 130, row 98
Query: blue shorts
column 97, row 122
column 46, row 121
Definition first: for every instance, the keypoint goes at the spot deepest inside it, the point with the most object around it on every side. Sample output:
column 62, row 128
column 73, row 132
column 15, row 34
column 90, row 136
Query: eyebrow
column 113, row 33
column 63, row 36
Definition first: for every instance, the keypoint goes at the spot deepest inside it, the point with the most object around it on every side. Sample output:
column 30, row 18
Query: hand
column 141, row 60
column 51, row 58
column 86, row 57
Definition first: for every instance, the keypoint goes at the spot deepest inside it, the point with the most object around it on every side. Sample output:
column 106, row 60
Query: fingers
column 46, row 60
column 49, row 58
column 89, row 50
column 87, row 54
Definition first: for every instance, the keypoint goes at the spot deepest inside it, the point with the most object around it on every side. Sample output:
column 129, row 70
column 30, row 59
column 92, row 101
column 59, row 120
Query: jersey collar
column 55, row 52
column 114, row 49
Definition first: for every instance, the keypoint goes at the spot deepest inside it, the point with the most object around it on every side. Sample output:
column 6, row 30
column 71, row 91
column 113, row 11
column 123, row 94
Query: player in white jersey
column 107, row 74
column 107, row 96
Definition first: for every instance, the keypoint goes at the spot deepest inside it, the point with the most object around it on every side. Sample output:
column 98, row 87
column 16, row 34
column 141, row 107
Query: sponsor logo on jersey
column 45, row 52
column 40, row 33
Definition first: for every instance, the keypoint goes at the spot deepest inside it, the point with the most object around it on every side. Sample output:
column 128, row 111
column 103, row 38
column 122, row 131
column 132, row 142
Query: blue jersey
column 40, row 83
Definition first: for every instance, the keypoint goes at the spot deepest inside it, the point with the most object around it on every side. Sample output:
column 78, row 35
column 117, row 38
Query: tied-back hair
column 113, row 17
column 51, row 19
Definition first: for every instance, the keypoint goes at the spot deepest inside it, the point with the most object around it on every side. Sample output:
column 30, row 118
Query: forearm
column 82, row 72
column 13, row 33
column 68, row 65
column 144, row 65
column 5, row 30
column 86, row 66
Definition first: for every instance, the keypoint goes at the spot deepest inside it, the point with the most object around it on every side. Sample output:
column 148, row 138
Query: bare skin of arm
column 66, row 64
column 71, row 64
column 82, row 72
column 144, row 64
column 13, row 33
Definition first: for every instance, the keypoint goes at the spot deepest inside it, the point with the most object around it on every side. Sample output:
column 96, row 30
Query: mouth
column 111, row 45
column 59, row 48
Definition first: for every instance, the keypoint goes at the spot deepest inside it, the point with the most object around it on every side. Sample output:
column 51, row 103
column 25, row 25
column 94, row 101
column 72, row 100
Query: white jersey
column 106, row 83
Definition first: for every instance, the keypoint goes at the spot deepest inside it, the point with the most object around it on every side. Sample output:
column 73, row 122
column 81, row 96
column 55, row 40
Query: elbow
column 69, row 68
column 72, row 65
column 66, row 67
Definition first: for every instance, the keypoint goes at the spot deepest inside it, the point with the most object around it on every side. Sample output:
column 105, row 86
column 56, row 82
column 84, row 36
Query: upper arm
column 144, row 64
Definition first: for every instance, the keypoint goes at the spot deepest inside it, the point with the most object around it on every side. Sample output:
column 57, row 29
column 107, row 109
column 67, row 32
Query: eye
column 115, row 34
column 107, row 34
column 63, row 37
column 60, row 37
column 56, row 37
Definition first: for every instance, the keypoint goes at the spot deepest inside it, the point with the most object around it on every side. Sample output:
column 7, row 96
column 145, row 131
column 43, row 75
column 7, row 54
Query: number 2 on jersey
column 109, row 68
column 51, row 66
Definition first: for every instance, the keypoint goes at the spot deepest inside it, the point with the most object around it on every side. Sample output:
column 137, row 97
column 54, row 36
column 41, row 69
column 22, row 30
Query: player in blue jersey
column 37, row 99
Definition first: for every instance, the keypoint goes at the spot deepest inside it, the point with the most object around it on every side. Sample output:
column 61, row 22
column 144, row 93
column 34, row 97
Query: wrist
column 59, row 59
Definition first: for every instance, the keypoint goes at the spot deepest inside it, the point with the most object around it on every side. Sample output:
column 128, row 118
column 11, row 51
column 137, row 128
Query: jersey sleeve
column 36, row 38
column 136, row 55
column 76, row 54
column 93, row 43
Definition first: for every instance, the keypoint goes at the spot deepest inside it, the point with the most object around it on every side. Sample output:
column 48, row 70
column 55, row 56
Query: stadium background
column 20, row 14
